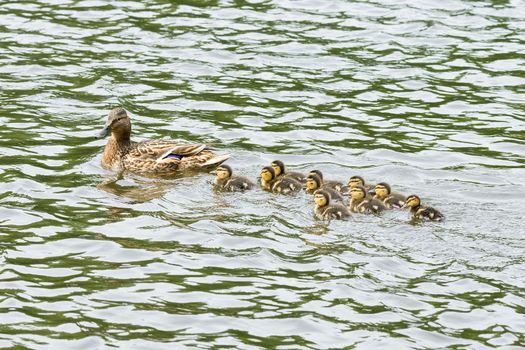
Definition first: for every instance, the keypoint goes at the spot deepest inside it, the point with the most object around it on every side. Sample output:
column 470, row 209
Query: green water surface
column 426, row 95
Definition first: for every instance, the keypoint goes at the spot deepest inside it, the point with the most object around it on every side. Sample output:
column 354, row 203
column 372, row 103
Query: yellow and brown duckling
column 314, row 183
column 225, row 181
column 336, row 185
column 152, row 156
column 281, row 171
column 362, row 202
column 324, row 210
column 267, row 178
column 355, row 181
column 390, row 199
column 419, row 211
column 284, row 185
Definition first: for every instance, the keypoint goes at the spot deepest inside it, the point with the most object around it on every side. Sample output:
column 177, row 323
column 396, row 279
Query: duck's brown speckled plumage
column 151, row 156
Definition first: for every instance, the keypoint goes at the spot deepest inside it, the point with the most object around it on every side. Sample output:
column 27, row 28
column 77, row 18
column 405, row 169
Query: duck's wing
column 336, row 212
column 431, row 213
column 335, row 185
column 286, row 185
column 336, row 195
column 164, row 149
column 394, row 200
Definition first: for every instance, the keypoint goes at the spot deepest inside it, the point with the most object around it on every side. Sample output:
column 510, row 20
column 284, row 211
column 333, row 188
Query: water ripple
column 425, row 96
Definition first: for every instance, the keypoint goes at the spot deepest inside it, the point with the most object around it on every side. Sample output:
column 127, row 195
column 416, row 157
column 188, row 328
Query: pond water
column 428, row 96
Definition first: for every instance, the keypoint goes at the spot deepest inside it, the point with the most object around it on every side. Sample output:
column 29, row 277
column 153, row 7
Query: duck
column 355, row 181
column 336, row 185
column 390, row 199
column 151, row 156
column 267, row 178
column 314, row 183
column 281, row 171
column 362, row 202
column 326, row 211
column 419, row 211
column 282, row 185
column 225, row 181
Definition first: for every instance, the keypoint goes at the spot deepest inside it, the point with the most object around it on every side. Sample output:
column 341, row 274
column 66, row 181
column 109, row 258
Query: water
column 425, row 95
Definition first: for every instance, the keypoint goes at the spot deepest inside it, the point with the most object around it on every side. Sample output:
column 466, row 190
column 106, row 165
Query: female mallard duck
column 280, row 171
column 225, row 181
column 362, row 202
column 324, row 210
column 336, row 185
column 152, row 156
column 284, row 185
column 314, row 183
column 419, row 211
column 389, row 198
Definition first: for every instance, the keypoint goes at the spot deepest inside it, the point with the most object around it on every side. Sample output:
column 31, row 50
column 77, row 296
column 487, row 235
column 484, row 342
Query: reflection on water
column 425, row 96
column 137, row 189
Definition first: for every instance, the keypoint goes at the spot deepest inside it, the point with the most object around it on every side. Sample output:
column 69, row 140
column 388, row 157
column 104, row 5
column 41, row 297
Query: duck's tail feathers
column 215, row 161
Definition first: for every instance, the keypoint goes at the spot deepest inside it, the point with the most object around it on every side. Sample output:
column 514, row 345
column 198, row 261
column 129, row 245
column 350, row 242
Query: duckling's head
column 223, row 172
column 278, row 167
column 412, row 201
column 321, row 198
column 358, row 193
column 313, row 182
column 117, row 122
column 267, row 173
column 356, row 181
column 316, row 172
column 382, row 190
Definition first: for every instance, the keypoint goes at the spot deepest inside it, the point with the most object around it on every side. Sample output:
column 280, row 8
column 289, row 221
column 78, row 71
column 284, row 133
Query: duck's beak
column 404, row 206
column 104, row 132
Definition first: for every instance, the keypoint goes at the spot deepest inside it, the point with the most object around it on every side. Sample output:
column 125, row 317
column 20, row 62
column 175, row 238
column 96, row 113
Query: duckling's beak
column 104, row 132
column 404, row 206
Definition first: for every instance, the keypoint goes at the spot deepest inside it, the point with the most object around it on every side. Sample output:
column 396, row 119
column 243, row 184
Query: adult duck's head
column 118, row 124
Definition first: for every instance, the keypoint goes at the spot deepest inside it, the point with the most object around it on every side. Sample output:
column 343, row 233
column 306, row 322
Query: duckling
column 324, row 210
column 362, row 202
column 419, row 211
column 314, row 183
column 389, row 198
column 355, row 181
column 336, row 185
column 267, row 178
column 280, row 171
column 284, row 185
column 225, row 181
